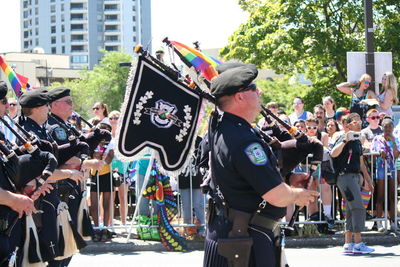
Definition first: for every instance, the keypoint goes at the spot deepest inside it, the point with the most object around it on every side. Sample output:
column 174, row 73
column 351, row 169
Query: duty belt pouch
column 211, row 211
column 237, row 247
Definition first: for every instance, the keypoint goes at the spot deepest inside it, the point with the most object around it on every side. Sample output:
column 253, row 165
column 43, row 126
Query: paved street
column 384, row 256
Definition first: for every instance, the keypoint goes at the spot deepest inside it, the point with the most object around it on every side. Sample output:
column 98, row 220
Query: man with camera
column 348, row 163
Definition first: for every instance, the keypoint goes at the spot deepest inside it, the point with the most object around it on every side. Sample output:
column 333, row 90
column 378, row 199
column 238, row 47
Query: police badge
column 159, row 112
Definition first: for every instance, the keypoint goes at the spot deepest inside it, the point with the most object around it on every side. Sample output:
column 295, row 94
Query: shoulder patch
column 60, row 133
column 255, row 152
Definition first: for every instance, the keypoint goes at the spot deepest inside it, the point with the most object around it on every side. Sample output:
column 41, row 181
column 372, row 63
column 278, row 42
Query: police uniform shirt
column 40, row 131
column 58, row 133
column 48, row 233
column 244, row 167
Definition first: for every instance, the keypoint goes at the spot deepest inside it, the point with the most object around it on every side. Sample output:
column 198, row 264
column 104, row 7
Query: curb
column 119, row 244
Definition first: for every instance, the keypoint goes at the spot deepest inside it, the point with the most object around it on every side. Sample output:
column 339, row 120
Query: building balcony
column 79, row 41
column 78, row 10
column 84, row 30
column 79, row 19
column 112, row 41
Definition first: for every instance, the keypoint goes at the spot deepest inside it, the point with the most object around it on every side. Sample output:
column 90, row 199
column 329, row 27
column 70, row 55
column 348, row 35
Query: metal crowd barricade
column 334, row 189
column 131, row 225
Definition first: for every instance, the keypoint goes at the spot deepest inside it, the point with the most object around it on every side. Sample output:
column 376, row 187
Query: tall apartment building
column 81, row 28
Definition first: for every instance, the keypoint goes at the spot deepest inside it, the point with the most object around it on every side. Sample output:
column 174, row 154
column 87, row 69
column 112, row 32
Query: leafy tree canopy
column 312, row 37
column 105, row 83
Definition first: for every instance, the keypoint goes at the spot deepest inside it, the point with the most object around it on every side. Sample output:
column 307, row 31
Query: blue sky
column 207, row 21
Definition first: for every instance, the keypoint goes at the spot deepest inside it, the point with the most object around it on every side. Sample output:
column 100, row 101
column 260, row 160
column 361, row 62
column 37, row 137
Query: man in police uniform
column 12, row 205
column 35, row 108
column 249, row 192
column 61, row 131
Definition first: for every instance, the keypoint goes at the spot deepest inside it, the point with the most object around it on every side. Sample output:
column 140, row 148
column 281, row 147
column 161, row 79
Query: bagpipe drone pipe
column 94, row 137
column 63, row 153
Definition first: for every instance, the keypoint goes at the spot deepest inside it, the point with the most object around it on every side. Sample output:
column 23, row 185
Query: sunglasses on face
column 355, row 122
column 312, row 127
column 374, row 117
column 273, row 107
column 297, row 103
column 367, row 82
column 13, row 104
column 4, row 101
column 68, row 101
column 114, row 118
column 95, row 108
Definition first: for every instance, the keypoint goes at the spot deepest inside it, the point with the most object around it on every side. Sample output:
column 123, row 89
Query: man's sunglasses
column 96, row 108
column 114, row 118
column 13, row 104
column 367, row 82
column 355, row 122
column 68, row 101
column 312, row 127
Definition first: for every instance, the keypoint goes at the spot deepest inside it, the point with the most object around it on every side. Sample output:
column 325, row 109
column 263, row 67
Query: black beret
column 3, row 89
column 58, row 93
column 34, row 98
column 232, row 80
column 230, row 65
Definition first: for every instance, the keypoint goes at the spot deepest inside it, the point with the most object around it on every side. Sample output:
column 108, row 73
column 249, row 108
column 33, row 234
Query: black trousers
column 263, row 253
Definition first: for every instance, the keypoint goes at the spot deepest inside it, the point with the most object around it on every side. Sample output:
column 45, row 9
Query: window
column 79, row 59
column 134, row 28
column 134, row 38
column 53, row 19
column 111, row 17
column 36, row 11
column 77, row 48
column 36, row 31
column 111, row 48
column 62, row 18
column 76, row 16
column 26, row 44
column 37, row 21
column 62, row 7
column 134, row 18
column 26, row 34
column 78, row 37
column 112, row 38
column 36, row 2
column 53, row 29
column 63, row 49
column 62, row 38
column 76, row 6
column 25, row 4
column 133, row 8
column 53, row 50
column 76, row 27
column 26, row 14
column 37, row 42
column 111, row 28
column 53, row 40
column 53, row 8
column 62, row 28
column 26, row 24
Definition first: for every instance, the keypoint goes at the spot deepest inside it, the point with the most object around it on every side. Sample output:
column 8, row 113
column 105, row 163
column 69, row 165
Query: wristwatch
column 344, row 141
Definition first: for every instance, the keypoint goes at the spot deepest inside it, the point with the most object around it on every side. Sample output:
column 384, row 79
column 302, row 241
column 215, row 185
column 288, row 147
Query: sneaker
column 393, row 227
column 348, row 248
column 331, row 223
column 374, row 227
column 380, row 227
column 361, row 248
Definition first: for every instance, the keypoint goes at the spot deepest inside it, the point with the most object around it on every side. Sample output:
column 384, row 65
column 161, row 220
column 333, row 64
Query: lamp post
column 369, row 40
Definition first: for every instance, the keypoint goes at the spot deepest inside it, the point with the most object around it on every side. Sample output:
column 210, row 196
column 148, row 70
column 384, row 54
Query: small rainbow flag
column 18, row 82
column 200, row 61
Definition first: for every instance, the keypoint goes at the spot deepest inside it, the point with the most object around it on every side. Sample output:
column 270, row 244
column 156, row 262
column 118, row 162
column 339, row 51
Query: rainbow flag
column 200, row 61
column 18, row 82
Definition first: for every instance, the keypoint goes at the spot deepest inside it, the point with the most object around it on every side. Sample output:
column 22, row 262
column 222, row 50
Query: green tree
column 312, row 37
column 105, row 83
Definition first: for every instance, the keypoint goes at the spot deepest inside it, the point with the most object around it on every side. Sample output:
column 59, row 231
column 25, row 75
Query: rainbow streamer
column 365, row 196
column 200, row 61
column 14, row 78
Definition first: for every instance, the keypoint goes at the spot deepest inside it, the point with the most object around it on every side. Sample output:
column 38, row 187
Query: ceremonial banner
column 161, row 113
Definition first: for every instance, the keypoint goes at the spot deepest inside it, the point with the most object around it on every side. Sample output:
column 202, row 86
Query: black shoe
column 374, row 227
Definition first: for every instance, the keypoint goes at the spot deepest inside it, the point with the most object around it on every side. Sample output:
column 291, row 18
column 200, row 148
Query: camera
column 354, row 135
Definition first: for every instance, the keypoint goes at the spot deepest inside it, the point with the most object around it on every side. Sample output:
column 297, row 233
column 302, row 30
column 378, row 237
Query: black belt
column 264, row 222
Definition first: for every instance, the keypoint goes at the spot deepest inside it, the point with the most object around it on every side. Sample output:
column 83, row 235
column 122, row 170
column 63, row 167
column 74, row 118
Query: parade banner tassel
column 67, row 242
column 18, row 82
column 200, row 61
column 32, row 256
column 84, row 226
column 159, row 112
column 159, row 189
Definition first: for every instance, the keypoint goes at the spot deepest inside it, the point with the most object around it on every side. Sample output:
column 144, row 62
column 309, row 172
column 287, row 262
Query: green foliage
column 312, row 37
column 105, row 83
column 282, row 90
